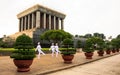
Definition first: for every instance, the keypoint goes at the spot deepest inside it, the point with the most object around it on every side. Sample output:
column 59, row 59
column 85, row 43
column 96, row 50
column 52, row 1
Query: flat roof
column 41, row 8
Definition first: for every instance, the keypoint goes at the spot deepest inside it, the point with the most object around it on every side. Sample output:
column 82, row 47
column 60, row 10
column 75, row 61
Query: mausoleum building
column 37, row 19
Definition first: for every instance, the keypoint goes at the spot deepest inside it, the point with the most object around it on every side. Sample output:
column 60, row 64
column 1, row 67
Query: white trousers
column 40, row 52
column 53, row 51
column 57, row 51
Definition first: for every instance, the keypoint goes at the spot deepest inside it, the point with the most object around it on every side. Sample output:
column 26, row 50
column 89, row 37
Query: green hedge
column 7, row 49
column 12, row 49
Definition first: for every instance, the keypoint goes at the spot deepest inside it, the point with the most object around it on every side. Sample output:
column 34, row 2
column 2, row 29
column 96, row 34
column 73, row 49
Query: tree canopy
column 55, row 35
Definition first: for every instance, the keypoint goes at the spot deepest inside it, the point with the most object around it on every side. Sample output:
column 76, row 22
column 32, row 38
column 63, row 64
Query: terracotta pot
column 108, row 51
column 100, row 52
column 117, row 50
column 67, row 58
column 23, row 65
column 89, row 55
column 113, row 51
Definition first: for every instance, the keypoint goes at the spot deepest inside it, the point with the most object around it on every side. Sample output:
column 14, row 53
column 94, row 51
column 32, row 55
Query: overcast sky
column 82, row 16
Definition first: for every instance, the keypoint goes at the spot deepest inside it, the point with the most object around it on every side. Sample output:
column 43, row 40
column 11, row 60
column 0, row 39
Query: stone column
column 28, row 21
column 49, row 21
column 25, row 23
column 62, row 21
column 44, row 21
column 19, row 25
column 54, row 22
column 33, row 20
column 37, row 19
column 22, row 24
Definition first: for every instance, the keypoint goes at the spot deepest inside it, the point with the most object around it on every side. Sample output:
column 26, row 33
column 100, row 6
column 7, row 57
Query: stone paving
column 107, row 66
column 46, row 64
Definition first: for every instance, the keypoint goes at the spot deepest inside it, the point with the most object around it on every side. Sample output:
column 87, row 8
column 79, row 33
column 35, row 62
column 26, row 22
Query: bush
column 24, row 47
column 88, row 50
column 68, row 51
column 68, row 47
column 23, row 54
column 89, row 45
column 23, row 42
column 67, row 43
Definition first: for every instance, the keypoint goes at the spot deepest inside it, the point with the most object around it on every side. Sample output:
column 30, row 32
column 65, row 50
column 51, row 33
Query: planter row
column 24, row 65
column 68, row 58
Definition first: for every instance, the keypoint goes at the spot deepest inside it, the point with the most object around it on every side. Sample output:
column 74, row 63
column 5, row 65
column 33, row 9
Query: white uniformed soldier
column 52, row 47
column 38, row 48
column 57, row 49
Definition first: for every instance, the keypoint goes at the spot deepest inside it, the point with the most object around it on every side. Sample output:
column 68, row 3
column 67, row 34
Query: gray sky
column 82, row 16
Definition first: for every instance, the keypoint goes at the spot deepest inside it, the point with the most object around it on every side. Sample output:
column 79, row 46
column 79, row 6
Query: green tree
column 118, row 36
column 7, row 42
column 102, row 36
column 115, row 43
column 96, row 34
column 95, row 42
column 1, row 42
column 55, row 35
column 88, row 36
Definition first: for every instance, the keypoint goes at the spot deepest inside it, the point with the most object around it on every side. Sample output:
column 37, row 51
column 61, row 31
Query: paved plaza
column 107, row 66
column 46, row 64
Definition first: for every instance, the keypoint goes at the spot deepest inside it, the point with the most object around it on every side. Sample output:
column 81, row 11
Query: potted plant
column 89, row 48
column 99, row 46
column 23, row 55
column 108, row 47
column 113, row 50
column 116, row 44
column 68, row 51
column 108, row 51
